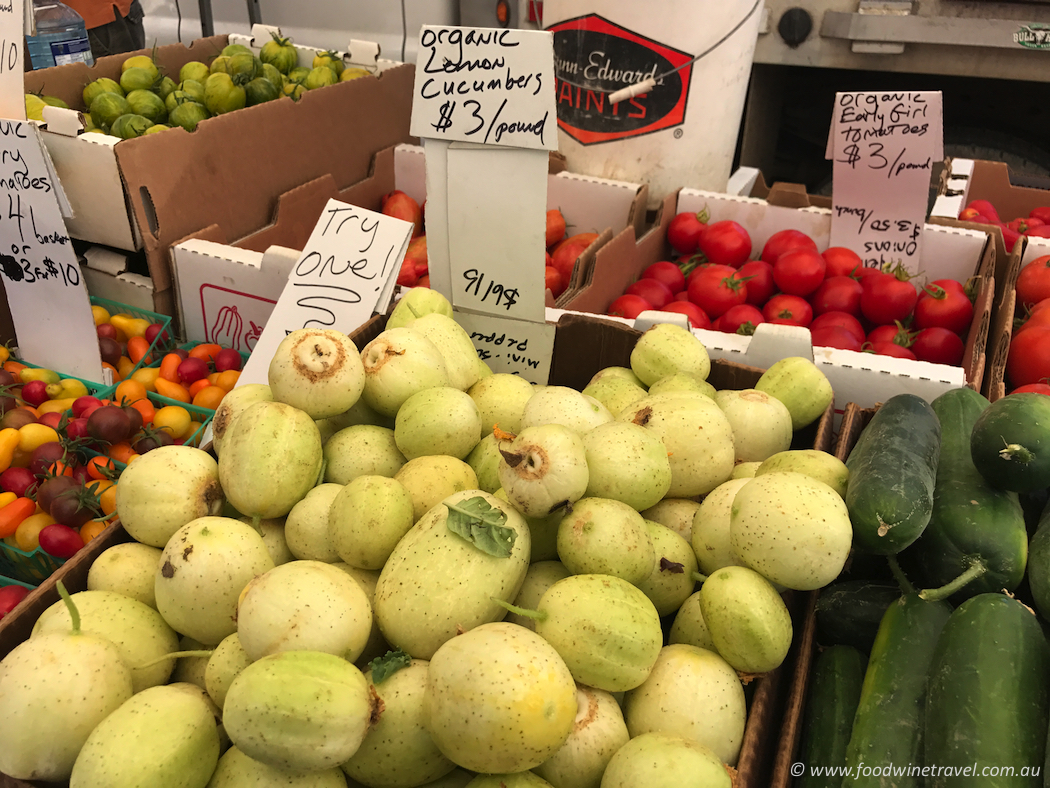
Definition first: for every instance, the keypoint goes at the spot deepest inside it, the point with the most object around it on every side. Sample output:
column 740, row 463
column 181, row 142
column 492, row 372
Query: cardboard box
column 856, row 377
column 247, row 275
column 154, row 190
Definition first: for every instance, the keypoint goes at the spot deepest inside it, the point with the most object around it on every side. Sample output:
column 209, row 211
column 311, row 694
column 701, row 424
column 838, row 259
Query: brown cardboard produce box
column 583, row 345
column 154, row 190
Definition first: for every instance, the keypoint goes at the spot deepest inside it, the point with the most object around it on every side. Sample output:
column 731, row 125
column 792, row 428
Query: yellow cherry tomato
column 32, row 435
column 67, row 388
column 32, row 373
column 27, row 535
column 90, row 530
column 174, row 419
column 147, row 376
column 56, row 405
column 100, row 314
column 6, row 498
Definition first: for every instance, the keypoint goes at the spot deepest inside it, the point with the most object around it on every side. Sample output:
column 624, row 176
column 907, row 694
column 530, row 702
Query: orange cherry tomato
column 209, row 397
column 125, row 367
column 121, row 452
column 206, row 351
column 169, row 367
column 91, row 529
column 171, row 390
column 145, row 409
column 138, row 349
column 228, row 379
column 197, row 385
column 129, row 392
column 97, row 467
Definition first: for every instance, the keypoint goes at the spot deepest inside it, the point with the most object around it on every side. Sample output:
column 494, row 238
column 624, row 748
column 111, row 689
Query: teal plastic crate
column 99, row 390
column 28, row 568
column 10, row 581
column 115, row 307
column 189, row 346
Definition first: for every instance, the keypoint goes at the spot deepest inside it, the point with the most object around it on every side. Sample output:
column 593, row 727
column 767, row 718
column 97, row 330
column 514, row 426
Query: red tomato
column 839, row 320
column 82, row 404
column 715, row 292
column 407, row 276
column 836, row 294
column 725, row 242
column 973, row 215
column 841, row 261
column 697, row 317
column 655, row 292
column 52, row 419
column 863, row 273
column 938, row 346
column 1033, row 283
column 629, row 306
column 985, row 208
column 836, row 337
column 682, row 296
column 949, row 284
column 1029, row 358
column 890, row 333
column 1033, row 388
column 886, row 298
column 553, row 281
column 555, row 227
column 683, row 233
column 61, row 541
column 1011, row 236
column 786, row 241
column 1042, row 213
column 1040, row 306
column 892, row 349
column 946, row 308
column 668, row 273
column 740, row 319
column 1034, row 320
column 10, row 596
column 564, row 258
column 799, row 272
column 788, row 310
column 724, row 270
column 1023, row 224
column 760, row 284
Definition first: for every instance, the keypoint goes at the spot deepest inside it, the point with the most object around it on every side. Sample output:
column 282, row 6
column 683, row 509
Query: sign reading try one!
column 883, row 146
column 348, row 267
column 488, row 86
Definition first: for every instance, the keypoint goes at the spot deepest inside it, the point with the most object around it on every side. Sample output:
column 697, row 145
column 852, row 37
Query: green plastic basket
column 28, row 568
column 189, row 346
column 99, row 390
column 115, row 307
column 10, row 581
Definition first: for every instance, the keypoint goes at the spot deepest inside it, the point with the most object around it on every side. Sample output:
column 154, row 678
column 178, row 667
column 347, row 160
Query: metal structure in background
column 208, row 20
column 254, row 12
column 991, row 61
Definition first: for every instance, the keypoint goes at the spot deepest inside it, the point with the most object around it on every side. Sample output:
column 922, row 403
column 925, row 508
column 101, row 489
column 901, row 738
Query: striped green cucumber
column 892, row 470
column 988, row 697
column 976, row 540
column 1010, row 444
column 849, row 612
column 1039, row 564
column 888, row 727
column 838, row 674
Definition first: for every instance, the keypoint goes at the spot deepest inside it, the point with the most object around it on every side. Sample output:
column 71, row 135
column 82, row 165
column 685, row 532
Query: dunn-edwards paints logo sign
column 1033, row 36
column 594, row 57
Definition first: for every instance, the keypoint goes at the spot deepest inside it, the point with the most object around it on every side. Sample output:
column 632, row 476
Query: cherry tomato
column 697, row 317
column 174, row 419
column 725, row 242
column 17, row 481
column 1033, row 283
column 885, row 298
column 666, row 273
column 892, row 349
column 741, row 319
column 1028, row 360
column 943, row 307
column 73, row 508
column 938, row 346
column 683, row 232
column 109, row 423
column 10, row 596
column 760, row 284
column 629, row 306
column 82, row 406
column 836, row 337
column 786, row 241
column 799, row 271
column 841, row 261
column 653, row 291
column 789, row 310
column 715, row 292
column 61, row 541
column 836, row 294
column 44, row 456
column 839, row 320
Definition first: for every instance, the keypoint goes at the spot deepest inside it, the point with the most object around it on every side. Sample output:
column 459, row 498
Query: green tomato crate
column 10, row 581
column 189, row 346
column 28, row 569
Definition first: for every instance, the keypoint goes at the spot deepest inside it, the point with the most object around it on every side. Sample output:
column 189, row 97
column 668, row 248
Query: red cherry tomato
column 683, row 232
column 787, row 309
column 10, row 596
column 938, row 346
column 725, row 242
column 836, row 294
column 760, row 284
column 786, row 241
column 841, row 261
column 697, row 317
column 61, row 541
column 842, row 320
column 667, row 273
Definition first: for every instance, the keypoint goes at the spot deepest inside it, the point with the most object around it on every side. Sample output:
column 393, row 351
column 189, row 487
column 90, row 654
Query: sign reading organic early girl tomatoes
column 884, row 147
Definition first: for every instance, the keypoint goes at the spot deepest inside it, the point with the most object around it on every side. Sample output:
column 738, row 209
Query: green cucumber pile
column 934, row 667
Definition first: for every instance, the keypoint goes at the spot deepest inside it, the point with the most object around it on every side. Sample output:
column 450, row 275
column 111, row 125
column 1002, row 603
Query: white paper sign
column 349, row 265
column 513, row 346
column 883, row 146
column 12, row 72
column 45, row 289
column 484, row 85
column 496, row 233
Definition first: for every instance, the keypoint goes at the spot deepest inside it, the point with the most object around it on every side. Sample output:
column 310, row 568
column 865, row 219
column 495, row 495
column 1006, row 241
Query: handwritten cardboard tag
column 484, row 85
column 516, row 347
column 496, row 231
column 348, row 267
column 45, row 290
column 884, row 147
column 12, row 72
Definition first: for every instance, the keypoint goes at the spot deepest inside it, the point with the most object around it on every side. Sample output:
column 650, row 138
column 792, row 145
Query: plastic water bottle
column 61, row 36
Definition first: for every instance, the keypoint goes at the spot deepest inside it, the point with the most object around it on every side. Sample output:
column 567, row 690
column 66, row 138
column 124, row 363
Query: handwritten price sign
column 348, row 267
column 516, row 347
column 488, row 86
column 12, row 73
column 883, row 146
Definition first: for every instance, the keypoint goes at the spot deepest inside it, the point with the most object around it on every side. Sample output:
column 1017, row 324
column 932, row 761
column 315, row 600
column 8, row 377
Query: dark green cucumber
column 838, row 674
column 849, row 612
column 892, row 470
column 989, row 696
column 888, row 727
column 975, row 529
column 1039, row 565
column 1010, row 444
